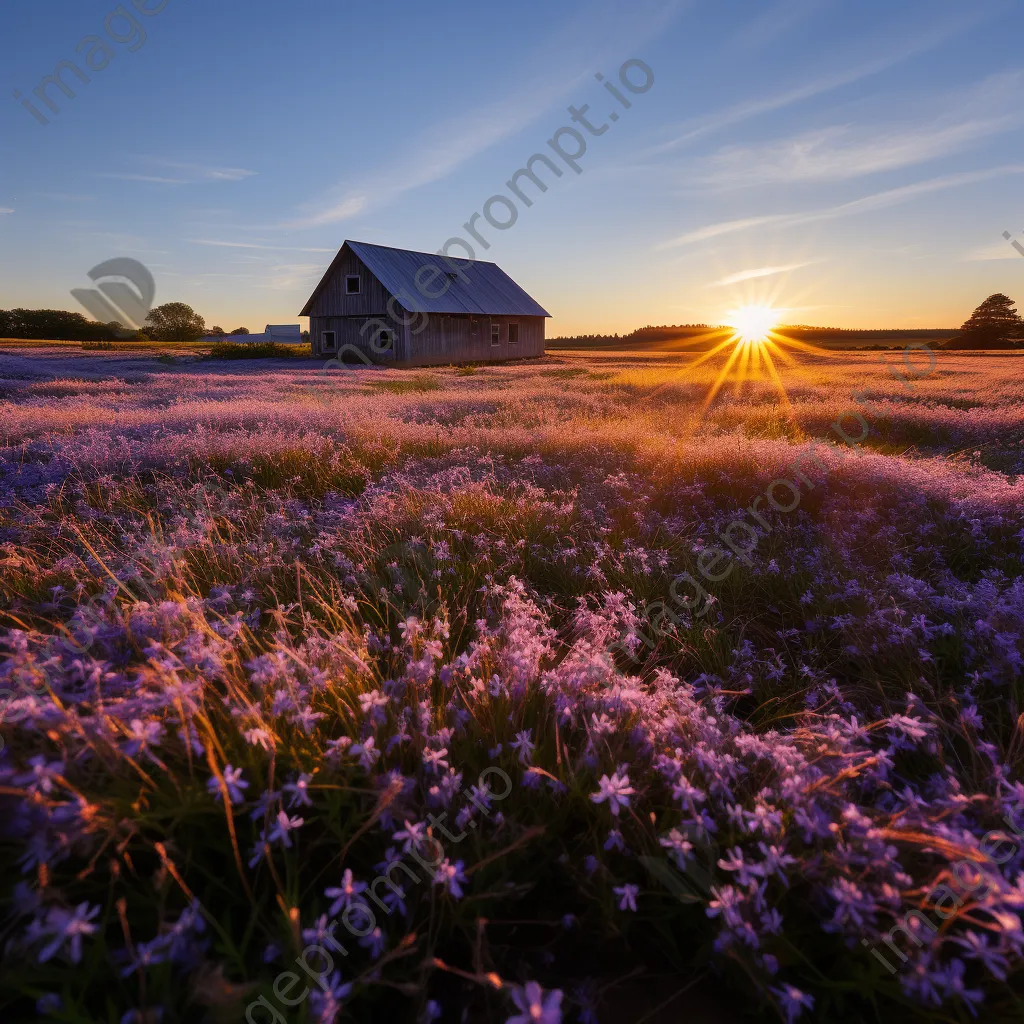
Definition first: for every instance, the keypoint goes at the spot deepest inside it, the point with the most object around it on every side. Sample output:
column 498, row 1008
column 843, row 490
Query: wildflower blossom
column 234, row 783
column 627, row 896
column 451, row 877
column 524, row 746
column 298, row 791
column 535, row 1007
column 616, row 790
column 282, row 827
column 344, row 894
column 793, row 1002
column 67, row 927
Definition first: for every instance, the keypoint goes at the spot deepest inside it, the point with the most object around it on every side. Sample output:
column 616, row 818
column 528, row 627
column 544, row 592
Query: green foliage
column 256, row 350
column 994, row 324
column 176, row 322
column 407, row 385
column 56, row 325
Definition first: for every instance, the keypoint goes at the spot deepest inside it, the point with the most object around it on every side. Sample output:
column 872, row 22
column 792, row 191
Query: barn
column 376, row 304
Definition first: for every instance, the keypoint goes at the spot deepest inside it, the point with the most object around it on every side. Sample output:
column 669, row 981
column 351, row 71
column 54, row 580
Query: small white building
column 283, row 334
column 279, row 334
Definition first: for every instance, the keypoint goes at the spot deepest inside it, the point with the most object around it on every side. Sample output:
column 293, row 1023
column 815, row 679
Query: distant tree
column 217, row 332
column 175, row 322
column 305, row 337
column 240, row 330
column 994, row 324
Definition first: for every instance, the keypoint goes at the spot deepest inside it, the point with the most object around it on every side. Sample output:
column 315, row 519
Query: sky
column 852, row 164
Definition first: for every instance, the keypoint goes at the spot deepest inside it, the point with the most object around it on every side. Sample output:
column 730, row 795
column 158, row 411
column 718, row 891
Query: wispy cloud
column 64, row 197
column 564, row 63
column 779, row 19
column 200, row 172
column 840, row 152
column 186, row 173
column 347, row 208
column 753, row 275
column 289, row 276
column 253, row 245
column 878, row 201
column 151, row 178
column 997, row 251
column 746, row 110
column 725, row 227
column 5, row 210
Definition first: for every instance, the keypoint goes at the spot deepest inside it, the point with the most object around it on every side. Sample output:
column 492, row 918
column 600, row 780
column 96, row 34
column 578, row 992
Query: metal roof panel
column 475, row 285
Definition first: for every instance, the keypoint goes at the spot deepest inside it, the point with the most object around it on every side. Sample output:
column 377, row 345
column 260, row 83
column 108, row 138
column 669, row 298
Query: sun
column 753, row 324
column 754, row 347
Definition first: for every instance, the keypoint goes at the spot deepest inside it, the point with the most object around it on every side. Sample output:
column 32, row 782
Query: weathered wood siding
column 358, row 332
column 333, row 301
column 449, row 338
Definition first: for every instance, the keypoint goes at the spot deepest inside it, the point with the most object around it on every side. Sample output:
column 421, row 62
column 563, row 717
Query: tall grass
column 229, row 596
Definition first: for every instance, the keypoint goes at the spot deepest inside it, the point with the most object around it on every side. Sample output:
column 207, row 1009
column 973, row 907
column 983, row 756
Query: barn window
column 351, row 284
column 495, row 334
column 383, row 342
column 513, row 334
column 330, row 341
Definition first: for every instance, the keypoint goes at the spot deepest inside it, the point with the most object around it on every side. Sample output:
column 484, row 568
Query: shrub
column 255, row 350
column 407, row 385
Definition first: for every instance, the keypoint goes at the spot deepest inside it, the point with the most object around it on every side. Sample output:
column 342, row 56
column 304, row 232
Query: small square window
column 330, row 341
column 495, row 334
column 384, row 340
column 352, row 284
column 513, row 334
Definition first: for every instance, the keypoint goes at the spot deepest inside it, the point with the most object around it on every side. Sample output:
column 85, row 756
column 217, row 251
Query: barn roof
column 488, row 290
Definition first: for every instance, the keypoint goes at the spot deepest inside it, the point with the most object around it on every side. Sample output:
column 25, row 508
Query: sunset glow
column 753, row 324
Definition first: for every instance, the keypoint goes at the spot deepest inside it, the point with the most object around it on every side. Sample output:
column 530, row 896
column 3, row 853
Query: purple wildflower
column 616, row 790
column 534, row 1006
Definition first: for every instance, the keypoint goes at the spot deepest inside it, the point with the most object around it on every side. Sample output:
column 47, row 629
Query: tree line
column 172, row 322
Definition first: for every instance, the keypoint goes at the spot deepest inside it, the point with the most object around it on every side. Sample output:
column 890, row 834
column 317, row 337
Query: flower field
column 340, row 697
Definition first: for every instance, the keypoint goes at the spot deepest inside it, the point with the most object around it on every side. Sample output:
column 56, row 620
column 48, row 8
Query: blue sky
column 850, row 163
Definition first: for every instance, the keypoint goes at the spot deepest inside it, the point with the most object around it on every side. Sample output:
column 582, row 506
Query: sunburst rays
column 755, row 349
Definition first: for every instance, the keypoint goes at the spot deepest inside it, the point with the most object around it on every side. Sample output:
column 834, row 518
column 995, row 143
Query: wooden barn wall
column 350, row 331
column 451, row 339
column 446, row 339
column 372, row 299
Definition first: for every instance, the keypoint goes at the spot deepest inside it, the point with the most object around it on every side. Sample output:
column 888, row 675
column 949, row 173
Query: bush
column 255, row 350
column 407, row 385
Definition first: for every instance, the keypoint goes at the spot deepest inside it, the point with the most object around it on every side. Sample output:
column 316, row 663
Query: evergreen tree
column 994, row 324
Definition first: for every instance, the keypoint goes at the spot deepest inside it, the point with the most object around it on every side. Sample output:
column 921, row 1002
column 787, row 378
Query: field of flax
column 335, row 697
